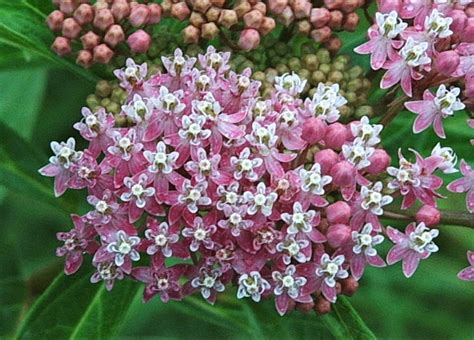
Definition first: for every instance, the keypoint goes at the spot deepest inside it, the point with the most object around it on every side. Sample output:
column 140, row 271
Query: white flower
column 300, row 221
column 260, row 200
column 414, row 53
column 161, row 161
column 358, row 153
column 449, row 164
column 192, row 129
column 244, row 166
column 312, row 181
column 138, row 190
column 65, row 153
column 252, row 285
column 421, row 240
column 390, row 25
column 365, row 132
column 293, row 249
column 288, row 282
column 209, row 107
column 194, row 195
column 447, row 101
column 169, row 102
column 326, row 102
column 228, row 197
column 207, row 280
column 365, row 241
column 331, row 269
column 124, row 246
column 264, row 138
column 438, row 25
column 373, row 199
column 290, row 83
column 138, row 110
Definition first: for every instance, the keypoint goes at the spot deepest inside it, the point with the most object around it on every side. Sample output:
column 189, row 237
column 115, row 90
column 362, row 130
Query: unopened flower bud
column 67, row 6
column 261, row 7
column 277, row 6
column 201, row 5
column 339, row 212
column 103, row 19
column 139, row 15
column 386, row 6
column 228, row 18
column 287, row 16
column 343, row 173
column 379, row 162
column 84, row 14
column 305, row 308
column 114, row 35
column 335, row 136
column 322, row 306
column 469, row 92
column 333, row 4
column 314, row 130
column 253, row 19
column 55, row 20
column 428, row 215
column 84, row 58
column 349, row 6
column 351, row 21
column 218, row 3
column 209, row 30
column 249, row 39
column 335, row 22
column 71, row 29
column 468, row 32
column 180, row 11
column 197, row 19
column 61, row 46
column 338, row 235
column 321, row 34
column 326, row 158
column 90, row 40
column 319, row 17
column 155, row 14
column 459, row 20
column 301, row 8
column 242, row 8
column 191, row 34
column 103, row 54
column 120, row 10
column 213, row 14
column 447, row 62
column 349, row 286
column 139, row 41
column 304, row 27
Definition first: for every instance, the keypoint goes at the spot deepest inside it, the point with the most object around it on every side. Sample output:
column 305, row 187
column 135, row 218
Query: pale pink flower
column 465, row 184
column 467, row 274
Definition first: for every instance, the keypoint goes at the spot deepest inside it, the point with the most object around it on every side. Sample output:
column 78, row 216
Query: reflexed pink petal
column 73, row 262
column 329, row 292
column 175, row 212
column 459, row 185
column 379, row 55
column 274, row 167
column 230, row 131
column 438, row 126
column 470, row 201
column 376, row 261
column 396, row 254
column 467, row 274
column 134, row 212
column 153, row 131
column 410, row 263
column 50, row 170
column 142, row 274
column 61, row 183
column 466, row 170
column 281, row 303
column 470, row 257
column 358, row 264
column 316, row 236
column 422, row 107
column 367, row 47
column 391, row 77
column 406, row 82
column 293, row 142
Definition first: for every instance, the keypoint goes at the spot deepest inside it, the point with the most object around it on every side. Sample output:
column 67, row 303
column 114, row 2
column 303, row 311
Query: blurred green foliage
column 41, row 98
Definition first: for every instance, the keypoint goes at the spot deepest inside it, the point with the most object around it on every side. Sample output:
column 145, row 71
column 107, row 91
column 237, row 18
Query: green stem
column 448, row 217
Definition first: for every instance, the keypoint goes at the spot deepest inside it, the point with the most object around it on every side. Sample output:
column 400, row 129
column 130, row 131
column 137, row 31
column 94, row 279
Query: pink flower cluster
column 210, row 185
column 424, row 44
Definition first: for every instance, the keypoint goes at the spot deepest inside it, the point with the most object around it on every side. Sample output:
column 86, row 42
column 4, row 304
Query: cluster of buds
column 101, row 29
column 272, row 195
column 318, row 22
column 425, row 44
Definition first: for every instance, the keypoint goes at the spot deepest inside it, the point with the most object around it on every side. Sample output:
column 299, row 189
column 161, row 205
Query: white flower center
column 160, row 240
column 137, row 190
column 288, row 281
column 101, row 206
column 260, row 199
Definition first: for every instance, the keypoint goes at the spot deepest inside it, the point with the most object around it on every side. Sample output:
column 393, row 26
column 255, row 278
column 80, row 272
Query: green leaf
column 345, row 323
column 74, row 308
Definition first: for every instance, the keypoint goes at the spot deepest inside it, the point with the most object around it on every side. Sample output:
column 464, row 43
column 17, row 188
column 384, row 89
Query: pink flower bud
column 71, row 29
column 287, row 16
column 103, row 19
column 139, row 41
column 114, row 35
column 90, row 40
column 447, row 62
column 102, row 54
column 333, row 4
column 61, row 46
column 351, row 21
column 84, row 58
column 319, row 17
column 321, row 34
column 305, row 308
column 227, row 18
column 301, row 8
column 326, row 158
column 155, row 14
column 55, row 21
column 253, row 19
column 335, row 136
column 191, row 34
column 338, row 235
column 67, row 6
column 386, row 6
column 277, row 6
column 459, row 20
column 322, row 306
column 139, row 15
column 314, row 130
column 268, row 25
column 333, row 44
column 428, row 215
column 120, row 10
column 180, row 11
column 470, row 12
column 349, row 286
column 339, row 212
column 379, row 162
column 335, row 22
column 343, row 174
column 468, row 32
column 249, row 39
column 469, row 92
column 349, row 6
column 84, row 14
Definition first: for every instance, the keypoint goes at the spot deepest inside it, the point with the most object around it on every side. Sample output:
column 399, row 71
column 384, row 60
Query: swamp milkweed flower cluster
column 209, row 185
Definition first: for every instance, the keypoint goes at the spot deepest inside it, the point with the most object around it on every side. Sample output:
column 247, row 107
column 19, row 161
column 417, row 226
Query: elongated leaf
column 74, row 308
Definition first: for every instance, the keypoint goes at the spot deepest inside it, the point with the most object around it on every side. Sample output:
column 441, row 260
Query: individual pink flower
column 77, row 241
column 287, row 287
column 105, row 210
column 208, row 281
column 94, row 127
column 465, row 184
column 382, row 44
column 163, row 239
column 252, row 285
column 60, row 164
column 107, row 272
column 433, row 109
column 405, row 67
column 200, row 233
column 302, row 223
column 412, row 246
column 131, row 77
column 467, row 274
